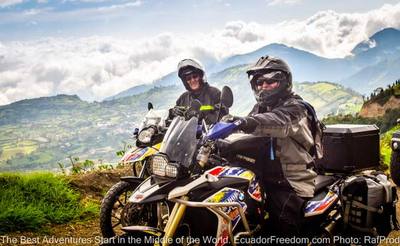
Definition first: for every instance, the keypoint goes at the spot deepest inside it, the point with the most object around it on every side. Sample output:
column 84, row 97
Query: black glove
column 229, row 118
column 177, row 111
column 248, row 124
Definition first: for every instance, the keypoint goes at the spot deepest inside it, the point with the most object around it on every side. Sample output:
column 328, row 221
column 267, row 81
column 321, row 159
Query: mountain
column 374, row 63
column 167, row 80
column 305, row 66
column 383, row 45
column 39, row 133
column 374, row 76
column 378, row 60
column 131, row 91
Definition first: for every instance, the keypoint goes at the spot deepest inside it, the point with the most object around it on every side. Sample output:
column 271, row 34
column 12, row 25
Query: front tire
column 112, row 206
column 395, row 167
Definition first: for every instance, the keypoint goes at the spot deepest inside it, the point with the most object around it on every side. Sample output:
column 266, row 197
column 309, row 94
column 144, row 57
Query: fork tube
column 176, row 216
column 142, row 171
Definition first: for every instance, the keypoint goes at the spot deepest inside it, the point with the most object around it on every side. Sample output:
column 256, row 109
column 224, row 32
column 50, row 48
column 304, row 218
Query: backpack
column 369, row 204
column 317, row 128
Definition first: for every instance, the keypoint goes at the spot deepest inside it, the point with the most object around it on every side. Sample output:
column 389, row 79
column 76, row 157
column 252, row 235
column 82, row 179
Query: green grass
column 29, row 201
column 386, row 150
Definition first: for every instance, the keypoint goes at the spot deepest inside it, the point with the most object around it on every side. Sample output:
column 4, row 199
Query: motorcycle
column 211, row 193
column 199, row 184
column 114, row 212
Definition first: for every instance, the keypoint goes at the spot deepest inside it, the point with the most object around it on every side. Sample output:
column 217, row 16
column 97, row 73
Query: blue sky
column 30, row 19
column 97, row 48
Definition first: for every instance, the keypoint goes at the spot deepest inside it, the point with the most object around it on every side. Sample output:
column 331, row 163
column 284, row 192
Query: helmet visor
column 270, row 77
column 187, row 70
column 190, row 76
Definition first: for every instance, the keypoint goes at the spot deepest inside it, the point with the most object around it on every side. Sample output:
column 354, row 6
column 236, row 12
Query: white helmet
column 189, row 66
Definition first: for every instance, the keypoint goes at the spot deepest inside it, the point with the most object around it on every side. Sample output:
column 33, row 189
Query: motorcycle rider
column 193, row 77
column 286, row 167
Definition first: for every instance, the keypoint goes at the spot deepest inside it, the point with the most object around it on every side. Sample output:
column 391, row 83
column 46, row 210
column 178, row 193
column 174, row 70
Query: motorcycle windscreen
column 154, row 118
column 179, row 142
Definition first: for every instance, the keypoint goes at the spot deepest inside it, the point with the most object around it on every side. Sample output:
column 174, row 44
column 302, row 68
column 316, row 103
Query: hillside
column 371, row 110
column 382, row 108
column 382, row 101
column 40, row 133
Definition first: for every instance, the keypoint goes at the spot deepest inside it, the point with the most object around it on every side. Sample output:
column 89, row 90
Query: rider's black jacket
column 208, row 96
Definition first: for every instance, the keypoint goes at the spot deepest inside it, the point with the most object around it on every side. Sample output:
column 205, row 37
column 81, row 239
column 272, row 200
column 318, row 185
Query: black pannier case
column 349, row 148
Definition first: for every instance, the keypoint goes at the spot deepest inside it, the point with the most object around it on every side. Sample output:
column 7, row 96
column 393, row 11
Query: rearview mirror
column 226, row 97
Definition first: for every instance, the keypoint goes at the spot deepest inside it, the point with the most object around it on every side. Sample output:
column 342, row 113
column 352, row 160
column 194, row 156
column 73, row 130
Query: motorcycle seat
column 322, row 181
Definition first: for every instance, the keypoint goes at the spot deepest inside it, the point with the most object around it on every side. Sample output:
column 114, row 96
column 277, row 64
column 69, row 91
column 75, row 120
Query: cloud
column 98, row 67
column 332, row 34
column 5, row 3
column 280, row 2
column 326, row 33
column 244, row 32
column 120, row 6
column 134, row 2
column 88, row 1
column 94, row 67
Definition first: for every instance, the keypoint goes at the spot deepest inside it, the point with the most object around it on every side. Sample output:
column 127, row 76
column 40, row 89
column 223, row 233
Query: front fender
column 139, row 154
column 155, row 189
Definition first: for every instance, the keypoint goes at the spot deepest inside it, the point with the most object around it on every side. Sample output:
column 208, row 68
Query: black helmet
column 274, row 68
column 189, row 66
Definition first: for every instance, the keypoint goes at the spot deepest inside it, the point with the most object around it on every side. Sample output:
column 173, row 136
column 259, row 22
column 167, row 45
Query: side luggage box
column 349, row 148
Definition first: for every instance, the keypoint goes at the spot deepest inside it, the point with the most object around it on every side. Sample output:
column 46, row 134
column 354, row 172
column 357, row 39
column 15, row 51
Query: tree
column 372, row 96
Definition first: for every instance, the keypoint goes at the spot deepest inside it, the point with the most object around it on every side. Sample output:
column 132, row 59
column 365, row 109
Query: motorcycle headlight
column 159, row 166
column 145, row 135
column 171, row 171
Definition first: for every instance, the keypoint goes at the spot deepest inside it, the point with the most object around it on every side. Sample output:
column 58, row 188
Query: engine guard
column 145, row 229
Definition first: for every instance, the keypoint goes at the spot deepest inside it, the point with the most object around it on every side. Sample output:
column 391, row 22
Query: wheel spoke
column 119, row 222
column 118, row 217
column 121, row 204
